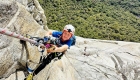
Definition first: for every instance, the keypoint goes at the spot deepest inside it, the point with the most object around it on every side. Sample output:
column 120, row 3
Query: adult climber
column 67, row 39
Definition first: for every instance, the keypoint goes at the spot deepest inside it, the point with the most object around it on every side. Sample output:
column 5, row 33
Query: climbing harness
column 45, row 43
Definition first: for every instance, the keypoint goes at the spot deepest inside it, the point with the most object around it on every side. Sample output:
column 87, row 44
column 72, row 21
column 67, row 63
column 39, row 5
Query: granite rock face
column 89, row 59
column 105, row 60
column 16, row 18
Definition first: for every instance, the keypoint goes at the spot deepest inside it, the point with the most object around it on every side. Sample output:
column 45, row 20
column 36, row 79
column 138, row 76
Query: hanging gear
column 42, row 44
column 41, row 49
column 38, row 40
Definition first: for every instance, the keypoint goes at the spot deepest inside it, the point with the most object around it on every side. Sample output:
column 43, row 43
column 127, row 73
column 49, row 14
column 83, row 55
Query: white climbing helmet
column 70, row 27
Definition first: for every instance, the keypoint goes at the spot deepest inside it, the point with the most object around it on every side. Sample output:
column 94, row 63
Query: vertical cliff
column 89, row 59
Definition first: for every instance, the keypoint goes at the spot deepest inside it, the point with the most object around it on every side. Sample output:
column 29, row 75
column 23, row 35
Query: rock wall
column 89, row 59
column 105, row 60
column 25, row 17
column 15, row 17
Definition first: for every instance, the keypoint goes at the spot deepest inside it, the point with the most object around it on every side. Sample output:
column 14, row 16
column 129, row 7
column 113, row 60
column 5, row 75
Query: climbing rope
column 13, row 34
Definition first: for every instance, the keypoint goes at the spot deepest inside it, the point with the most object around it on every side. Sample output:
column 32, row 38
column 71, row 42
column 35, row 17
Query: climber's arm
column 60, row 49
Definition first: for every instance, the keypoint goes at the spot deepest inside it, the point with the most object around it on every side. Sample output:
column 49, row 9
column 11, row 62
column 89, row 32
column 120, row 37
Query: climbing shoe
column 29, row 77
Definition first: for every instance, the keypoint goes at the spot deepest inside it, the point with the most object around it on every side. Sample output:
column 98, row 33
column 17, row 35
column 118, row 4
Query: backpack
column 74, row 41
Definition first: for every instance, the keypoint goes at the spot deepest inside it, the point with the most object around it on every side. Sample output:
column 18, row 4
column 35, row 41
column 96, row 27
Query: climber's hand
column 51, row 49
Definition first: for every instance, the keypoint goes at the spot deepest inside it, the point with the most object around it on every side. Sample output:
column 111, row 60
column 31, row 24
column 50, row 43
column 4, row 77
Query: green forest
column 97, row 19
